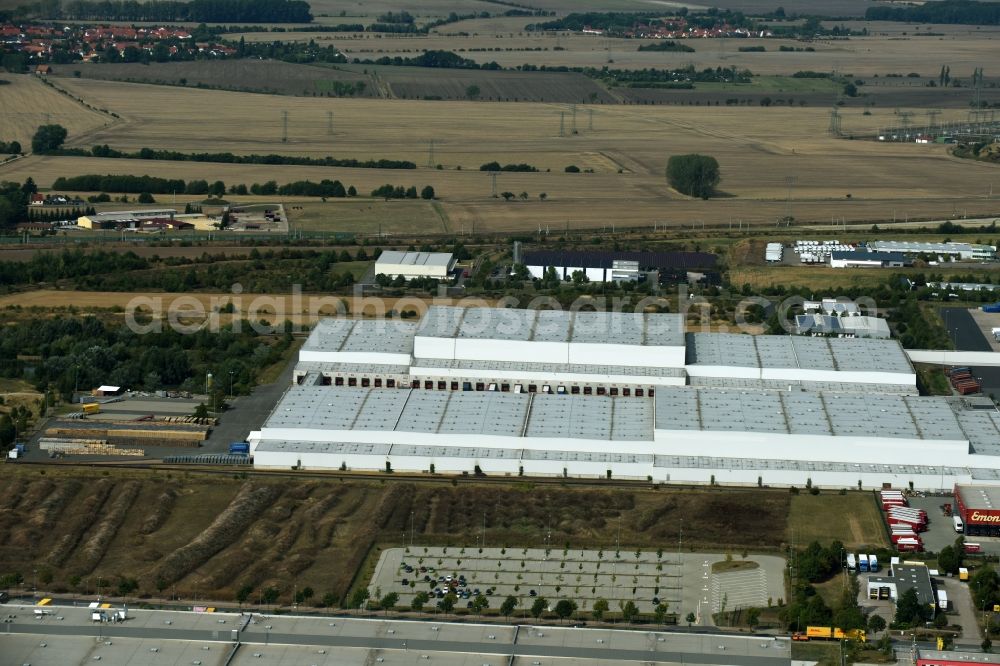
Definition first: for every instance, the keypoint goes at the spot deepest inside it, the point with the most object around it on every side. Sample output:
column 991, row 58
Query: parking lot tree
column 447, row 604
column 358, row 598
column 599, row 608
column 329, row 599
column 388, row 602
column 565, row 608
column 660, row 613
column 419, row 599
column 690, row 619
column 539, row 607
column 629, row 611
column 480, row 603
column 508, row 606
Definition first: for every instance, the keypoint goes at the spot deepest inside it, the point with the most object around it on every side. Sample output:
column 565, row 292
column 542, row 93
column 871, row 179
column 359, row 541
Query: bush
column 572, row 168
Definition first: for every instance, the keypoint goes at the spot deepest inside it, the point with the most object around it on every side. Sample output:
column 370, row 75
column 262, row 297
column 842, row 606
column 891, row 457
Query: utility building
column 438, row 265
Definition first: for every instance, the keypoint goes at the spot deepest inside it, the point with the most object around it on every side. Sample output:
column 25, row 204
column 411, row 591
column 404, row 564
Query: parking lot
column 685, row 585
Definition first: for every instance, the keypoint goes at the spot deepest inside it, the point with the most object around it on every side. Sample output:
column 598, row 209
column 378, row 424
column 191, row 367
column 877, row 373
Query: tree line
column 10, row 147
column 230, row 158
column 388, row 191
column 154, row 185
column 198, row 11
column 945, row 11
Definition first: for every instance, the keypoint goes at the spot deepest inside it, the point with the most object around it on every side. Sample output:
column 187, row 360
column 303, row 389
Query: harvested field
column 26, row 103
column 215, row 534
column 267, row 76
column 451, row 84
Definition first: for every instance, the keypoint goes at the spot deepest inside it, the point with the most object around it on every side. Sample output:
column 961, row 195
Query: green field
column 852, row 518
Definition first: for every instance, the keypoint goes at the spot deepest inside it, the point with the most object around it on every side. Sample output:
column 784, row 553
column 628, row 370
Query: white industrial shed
column 415, row 264
column 510, row 392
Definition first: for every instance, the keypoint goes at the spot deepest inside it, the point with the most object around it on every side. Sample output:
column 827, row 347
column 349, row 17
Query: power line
column 573, row 107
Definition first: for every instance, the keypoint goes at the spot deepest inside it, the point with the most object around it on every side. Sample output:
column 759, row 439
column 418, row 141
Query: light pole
column 411, row 529
column 231, row 372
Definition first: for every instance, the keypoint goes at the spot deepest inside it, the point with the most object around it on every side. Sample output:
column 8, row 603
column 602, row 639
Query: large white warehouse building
column 524, row 392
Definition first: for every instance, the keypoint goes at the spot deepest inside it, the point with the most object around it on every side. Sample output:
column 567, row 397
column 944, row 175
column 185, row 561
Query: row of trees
column 10, row 147
column 399, row 192
column 230, row 158
column 196, row 11
column 945, row 11
column 153, row 185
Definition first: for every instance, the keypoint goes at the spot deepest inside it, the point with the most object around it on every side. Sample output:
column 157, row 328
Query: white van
column 959, row 527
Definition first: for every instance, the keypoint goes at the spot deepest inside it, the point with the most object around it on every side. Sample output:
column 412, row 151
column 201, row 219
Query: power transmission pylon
column 932, row 116
column 573, row 107
column 835, row 119
column 329, row 123
column 284, row 126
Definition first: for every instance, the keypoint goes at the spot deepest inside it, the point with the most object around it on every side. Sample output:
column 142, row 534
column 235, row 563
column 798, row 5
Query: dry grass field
column 758, row 149
column 853, row 519
column 207, row 536
column 26, row 103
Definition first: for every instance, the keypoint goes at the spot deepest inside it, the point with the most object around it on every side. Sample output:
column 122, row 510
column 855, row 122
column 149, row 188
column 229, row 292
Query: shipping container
column 239, row 447
column 963, row 573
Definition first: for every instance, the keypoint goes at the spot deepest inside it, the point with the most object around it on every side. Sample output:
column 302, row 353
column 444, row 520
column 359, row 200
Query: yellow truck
column 92, row 408
column 830, row 633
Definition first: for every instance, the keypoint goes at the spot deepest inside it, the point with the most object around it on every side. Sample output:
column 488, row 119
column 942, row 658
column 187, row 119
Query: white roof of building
column 783, row 351
column 622, row 328
column 132, row 214
column 547, row 368
column 395, row 258
column 362, row 335
column 914, row 246
column 831, row 414
column 109, row 389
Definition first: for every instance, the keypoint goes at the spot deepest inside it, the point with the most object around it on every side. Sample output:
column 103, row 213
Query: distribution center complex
column 620, row 395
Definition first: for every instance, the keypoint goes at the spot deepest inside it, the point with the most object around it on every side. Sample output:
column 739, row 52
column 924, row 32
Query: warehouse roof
column 980, row 497
column 549, row 368
column 862, row 255
column 955, row 655
column 800, row 412
column 914, row 246
column 783, row 351
column 362, row 335
column 392, row 257
column 405, row 410
column 803, row 385
column 590, row 417
column 623, row 328
column 707, row 462
column 604, row 259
